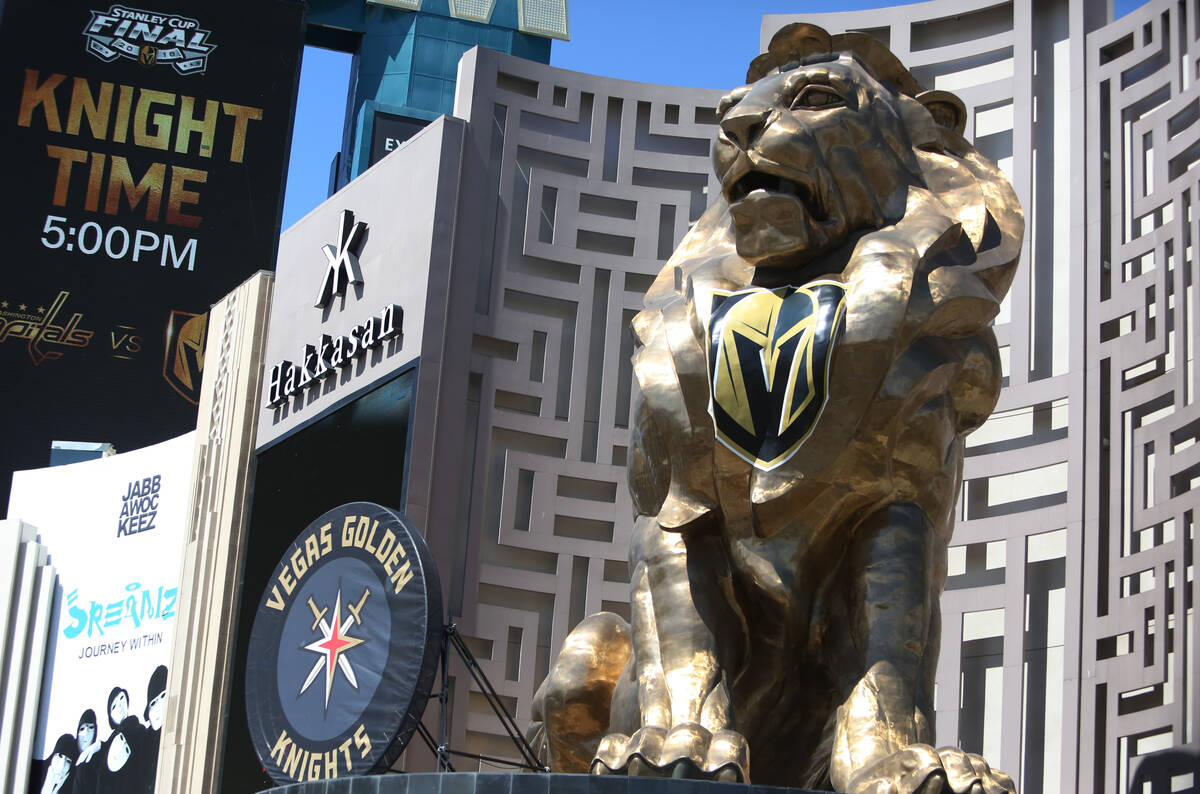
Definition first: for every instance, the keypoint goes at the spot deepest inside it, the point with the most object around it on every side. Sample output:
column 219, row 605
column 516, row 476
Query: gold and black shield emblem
column 769, row 354
column 147, row 56
column 183, row 363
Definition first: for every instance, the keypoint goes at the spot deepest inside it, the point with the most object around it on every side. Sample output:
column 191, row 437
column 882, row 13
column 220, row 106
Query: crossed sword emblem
column 355, row 617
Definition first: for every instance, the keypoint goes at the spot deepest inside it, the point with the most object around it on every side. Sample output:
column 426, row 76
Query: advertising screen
column 114, row 529
column 145, row 150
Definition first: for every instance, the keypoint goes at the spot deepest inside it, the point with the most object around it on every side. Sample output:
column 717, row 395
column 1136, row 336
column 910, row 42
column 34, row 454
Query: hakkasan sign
column 344, row 647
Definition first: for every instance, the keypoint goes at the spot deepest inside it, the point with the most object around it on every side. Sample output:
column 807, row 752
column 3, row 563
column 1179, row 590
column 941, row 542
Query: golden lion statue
column 810, row 360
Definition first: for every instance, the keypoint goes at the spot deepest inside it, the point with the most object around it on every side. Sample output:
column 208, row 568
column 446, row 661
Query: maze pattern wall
column 1068, row 649
column 1139, row 646
column 1068, row 652
column 587, row 185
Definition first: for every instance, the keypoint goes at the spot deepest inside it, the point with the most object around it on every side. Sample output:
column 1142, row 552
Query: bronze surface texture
column 809, row 362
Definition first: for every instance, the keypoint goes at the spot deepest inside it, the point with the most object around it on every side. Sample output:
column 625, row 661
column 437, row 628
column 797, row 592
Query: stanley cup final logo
column 148, row 37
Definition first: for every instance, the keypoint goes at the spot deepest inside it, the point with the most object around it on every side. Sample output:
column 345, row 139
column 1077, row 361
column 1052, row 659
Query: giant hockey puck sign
column 344, row 647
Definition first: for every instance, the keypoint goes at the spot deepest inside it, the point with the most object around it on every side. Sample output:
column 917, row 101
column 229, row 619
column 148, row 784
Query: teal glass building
column 406, row 55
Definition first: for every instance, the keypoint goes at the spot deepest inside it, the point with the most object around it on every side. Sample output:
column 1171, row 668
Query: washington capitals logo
column 342, row 268
column 769, row 357
column 335, row 643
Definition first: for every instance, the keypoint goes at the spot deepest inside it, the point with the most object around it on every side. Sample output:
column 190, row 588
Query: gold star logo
column 3, row 304
column 22, row 307
column 41, row 310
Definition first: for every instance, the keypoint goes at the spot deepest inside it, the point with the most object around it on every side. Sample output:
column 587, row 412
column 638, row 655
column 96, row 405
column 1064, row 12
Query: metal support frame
column 529, row 760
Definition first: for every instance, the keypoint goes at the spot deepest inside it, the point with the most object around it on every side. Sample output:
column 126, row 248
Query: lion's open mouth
column 759, row 180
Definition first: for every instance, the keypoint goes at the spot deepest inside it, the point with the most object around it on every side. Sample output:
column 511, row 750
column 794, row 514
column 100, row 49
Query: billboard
column 115, row 529
column 145, row 151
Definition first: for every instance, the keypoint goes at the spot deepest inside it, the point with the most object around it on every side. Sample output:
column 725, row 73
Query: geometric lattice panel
column 1139, row 644
column 588, row 185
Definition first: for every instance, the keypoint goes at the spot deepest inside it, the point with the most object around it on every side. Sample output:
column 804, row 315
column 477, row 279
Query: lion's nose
column 744, row 125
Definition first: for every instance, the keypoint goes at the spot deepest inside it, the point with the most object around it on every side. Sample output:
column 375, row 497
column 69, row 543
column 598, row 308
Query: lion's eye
column 817, row 97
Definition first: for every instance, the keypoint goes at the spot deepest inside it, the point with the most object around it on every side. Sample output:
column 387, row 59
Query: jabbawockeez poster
column 115, row 531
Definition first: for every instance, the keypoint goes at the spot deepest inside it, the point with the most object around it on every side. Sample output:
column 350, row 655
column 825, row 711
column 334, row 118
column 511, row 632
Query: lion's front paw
column 687, row 750
column 919, row 769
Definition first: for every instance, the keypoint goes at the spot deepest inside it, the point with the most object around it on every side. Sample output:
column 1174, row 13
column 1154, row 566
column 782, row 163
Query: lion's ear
column 923, row 132
column 946, row 109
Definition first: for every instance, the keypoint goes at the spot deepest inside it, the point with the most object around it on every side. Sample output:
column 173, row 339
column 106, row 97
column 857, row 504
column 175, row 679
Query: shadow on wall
column 1162, row 771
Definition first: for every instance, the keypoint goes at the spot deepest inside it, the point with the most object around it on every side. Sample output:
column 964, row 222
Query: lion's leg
column 682, row 700
column 881, row 742
column 571, row 708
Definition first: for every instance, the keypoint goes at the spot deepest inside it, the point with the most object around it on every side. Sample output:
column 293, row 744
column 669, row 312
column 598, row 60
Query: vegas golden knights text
column 356, row 532
column 300, row 764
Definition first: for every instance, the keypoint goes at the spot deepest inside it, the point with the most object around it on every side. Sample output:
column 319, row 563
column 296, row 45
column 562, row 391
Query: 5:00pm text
column 119, row 243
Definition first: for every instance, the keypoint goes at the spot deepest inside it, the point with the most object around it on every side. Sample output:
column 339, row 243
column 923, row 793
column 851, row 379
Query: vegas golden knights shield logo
column 147, row 56
column 183, row 363
column 769, row 356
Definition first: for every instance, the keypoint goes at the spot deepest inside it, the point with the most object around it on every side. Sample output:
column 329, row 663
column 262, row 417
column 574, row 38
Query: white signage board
column 115, row 530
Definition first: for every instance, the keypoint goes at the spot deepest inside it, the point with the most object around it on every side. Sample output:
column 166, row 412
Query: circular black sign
column 344, row 647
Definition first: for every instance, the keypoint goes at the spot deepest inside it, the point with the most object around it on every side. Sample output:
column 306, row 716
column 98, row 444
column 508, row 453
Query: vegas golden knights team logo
column 769, row 357
column 344, row 647
column 147, row 56
column 183, row 363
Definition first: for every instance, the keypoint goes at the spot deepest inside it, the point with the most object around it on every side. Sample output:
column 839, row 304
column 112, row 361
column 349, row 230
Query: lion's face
column 808, row 156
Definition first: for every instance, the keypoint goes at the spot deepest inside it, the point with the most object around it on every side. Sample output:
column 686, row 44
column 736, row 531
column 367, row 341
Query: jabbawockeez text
column 139, row 506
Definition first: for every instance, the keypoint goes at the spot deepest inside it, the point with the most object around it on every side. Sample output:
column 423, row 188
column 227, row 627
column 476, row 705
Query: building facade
column 406, row 55
column 1068, row 654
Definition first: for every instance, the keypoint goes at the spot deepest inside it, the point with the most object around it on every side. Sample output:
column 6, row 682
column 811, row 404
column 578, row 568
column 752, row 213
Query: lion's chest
column 769, row 355
column 803, row 419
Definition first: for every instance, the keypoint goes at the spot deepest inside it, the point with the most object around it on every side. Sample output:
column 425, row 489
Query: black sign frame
column 357, row 546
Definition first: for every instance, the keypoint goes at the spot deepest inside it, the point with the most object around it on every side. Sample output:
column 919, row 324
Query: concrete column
column 211, row 572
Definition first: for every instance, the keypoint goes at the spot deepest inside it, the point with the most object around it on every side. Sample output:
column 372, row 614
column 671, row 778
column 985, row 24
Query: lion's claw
column 686, row 750
column 919, row 769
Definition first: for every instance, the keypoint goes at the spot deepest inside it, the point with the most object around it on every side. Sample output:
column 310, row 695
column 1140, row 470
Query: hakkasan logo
column 150, row 38
column 344, row 647
column 332, row 354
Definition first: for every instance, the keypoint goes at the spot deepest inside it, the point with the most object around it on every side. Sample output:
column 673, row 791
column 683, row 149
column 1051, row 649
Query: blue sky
column 700, row 43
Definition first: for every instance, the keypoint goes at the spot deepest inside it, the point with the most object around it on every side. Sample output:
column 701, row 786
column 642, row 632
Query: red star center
column 335, row 642
column 333, row 646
